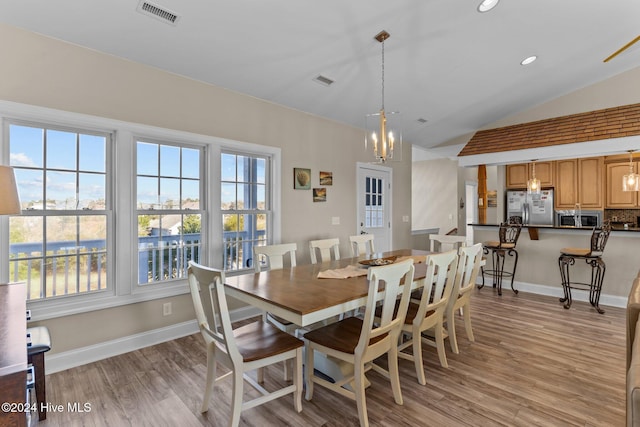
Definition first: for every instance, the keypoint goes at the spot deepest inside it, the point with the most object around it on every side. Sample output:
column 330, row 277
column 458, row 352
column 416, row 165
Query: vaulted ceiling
column 445, row 63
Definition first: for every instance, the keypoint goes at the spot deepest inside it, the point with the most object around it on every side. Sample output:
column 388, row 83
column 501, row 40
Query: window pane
column 147, row 193
column 26, row 146
column 61, row 150
column 93, row 233
column 261, row 171
column 169, row 161
column 190, row 194
column 228, row 162
column 169, row 193
column 147, row 158
column 190, row 163
column 61, row 232
column 92, row 191
column 261, row 201
column 228, row 196
column 93, row 153
column 30, row 188
column 243, row 196
column 61, row 190
column 242, row 169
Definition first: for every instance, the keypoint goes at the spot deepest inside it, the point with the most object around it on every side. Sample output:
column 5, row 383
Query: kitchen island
column 538, row 270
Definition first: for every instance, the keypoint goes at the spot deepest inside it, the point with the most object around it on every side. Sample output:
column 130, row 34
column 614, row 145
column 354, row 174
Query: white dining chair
column 445, row 242
column 359, row 341
column 273, row 257
column 469, row 262
column 361, row 244
column 428, row 314
column 247, row 348
column 324, row 247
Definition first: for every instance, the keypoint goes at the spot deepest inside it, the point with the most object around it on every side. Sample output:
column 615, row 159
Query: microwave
column 587, row 218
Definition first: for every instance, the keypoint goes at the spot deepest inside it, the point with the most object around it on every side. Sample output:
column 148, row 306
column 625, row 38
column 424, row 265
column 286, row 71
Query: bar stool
column 40, row 343
column 593, row 257
column 506, row 245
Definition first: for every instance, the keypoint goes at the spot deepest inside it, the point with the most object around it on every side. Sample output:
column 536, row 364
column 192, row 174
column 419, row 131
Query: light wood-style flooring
column 533, row 363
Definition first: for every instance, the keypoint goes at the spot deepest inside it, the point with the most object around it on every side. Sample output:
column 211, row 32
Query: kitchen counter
column 564, row 227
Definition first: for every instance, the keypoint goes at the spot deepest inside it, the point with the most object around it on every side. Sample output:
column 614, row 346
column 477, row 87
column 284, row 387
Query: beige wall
column 434, row 195
column 49, row 73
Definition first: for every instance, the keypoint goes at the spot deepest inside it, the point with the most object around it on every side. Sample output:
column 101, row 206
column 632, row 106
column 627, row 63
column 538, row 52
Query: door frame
column 361, row 166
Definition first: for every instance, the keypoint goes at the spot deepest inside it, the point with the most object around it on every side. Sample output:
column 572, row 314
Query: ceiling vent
column 158, row 12
column 422, row 121
column 326, row 81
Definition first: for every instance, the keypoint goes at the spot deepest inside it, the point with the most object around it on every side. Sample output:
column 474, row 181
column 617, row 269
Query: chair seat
column 40, row 340
column 341, row 336
column 494, row 244
column 260, row 340
column 576, row 251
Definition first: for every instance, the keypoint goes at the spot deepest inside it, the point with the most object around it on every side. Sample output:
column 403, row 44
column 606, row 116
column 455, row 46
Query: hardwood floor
column 533, row 363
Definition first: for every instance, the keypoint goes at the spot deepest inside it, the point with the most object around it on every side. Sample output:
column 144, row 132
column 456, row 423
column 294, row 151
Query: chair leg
column 211, row 378
column 361, row 402
column 37, row 361
column 467, row 321
column 394, row 374
column 308, row 372
column 236, row 397
column 417, row 358
column 451, row 330
column 442, row 355
column 297, row 380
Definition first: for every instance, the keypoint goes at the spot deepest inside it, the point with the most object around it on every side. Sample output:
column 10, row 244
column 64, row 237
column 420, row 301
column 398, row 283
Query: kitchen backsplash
column 622, row 215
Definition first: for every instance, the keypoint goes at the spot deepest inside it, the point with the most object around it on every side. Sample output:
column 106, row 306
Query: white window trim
column 125, row 289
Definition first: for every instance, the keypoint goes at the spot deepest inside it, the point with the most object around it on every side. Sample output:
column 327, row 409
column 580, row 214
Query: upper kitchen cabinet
column 518, row 174
column 579, row 181
column 616, row 198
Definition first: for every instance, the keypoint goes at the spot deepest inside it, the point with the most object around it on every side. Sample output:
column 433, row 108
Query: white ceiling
column 445, row 62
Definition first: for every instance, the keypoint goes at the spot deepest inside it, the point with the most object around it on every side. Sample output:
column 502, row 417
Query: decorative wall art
column 326, row 178
column 319, row 194
column 301, row 179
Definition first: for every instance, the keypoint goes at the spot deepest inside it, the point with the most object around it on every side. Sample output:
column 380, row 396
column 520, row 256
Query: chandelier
column 382, row 130
column 533, row 184
column 631, row 181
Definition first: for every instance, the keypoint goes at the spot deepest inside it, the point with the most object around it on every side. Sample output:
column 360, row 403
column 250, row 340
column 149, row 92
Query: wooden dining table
column 299, row 296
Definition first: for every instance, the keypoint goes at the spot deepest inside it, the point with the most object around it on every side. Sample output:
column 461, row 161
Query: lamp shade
column 9, row 200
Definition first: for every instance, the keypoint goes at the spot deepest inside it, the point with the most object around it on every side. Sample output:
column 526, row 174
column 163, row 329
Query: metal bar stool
column 506, row 245
column 592, row 257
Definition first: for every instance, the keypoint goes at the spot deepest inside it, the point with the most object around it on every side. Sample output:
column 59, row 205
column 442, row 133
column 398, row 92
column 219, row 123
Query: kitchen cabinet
column 518, row 174
column 579, row 181
column 616, row 198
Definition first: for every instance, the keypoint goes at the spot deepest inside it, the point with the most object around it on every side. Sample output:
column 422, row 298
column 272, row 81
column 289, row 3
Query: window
column 245, row 207
column 374, row 206
column 169, row 210
column 58, row 246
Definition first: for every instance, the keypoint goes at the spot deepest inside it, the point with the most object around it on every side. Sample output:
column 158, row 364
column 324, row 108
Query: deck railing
column 72, row 268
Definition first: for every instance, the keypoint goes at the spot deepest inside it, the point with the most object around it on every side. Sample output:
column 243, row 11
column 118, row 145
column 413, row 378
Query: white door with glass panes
column 374, row 204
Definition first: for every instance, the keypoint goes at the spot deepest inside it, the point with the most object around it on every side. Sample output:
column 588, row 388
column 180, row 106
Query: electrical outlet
column 166, row 309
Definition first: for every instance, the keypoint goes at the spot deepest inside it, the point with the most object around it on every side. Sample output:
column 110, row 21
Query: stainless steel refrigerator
column 533, row 209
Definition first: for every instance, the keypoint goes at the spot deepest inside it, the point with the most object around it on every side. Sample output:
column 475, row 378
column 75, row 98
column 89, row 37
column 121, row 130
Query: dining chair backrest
column 445, row 242
column 324, row 247
column 438, row 284
column 391, row 320
column 599, row 238
column 274, row 256
column 508, row 233
column 210, row 304
column 469, row 261
column 361, row 244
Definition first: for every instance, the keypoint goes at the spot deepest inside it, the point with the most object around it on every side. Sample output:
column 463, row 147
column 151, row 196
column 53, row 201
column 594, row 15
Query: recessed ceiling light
column 487, row 5
column 529, row 60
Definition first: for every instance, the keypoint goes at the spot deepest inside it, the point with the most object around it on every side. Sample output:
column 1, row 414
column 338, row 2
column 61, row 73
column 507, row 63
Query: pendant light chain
column 383, row 73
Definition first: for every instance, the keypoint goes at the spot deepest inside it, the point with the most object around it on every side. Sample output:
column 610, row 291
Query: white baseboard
column 70, row 359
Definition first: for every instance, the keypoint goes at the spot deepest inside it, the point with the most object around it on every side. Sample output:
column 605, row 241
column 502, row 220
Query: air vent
column 423, row 121
column 158, row 12
column 323, row 80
